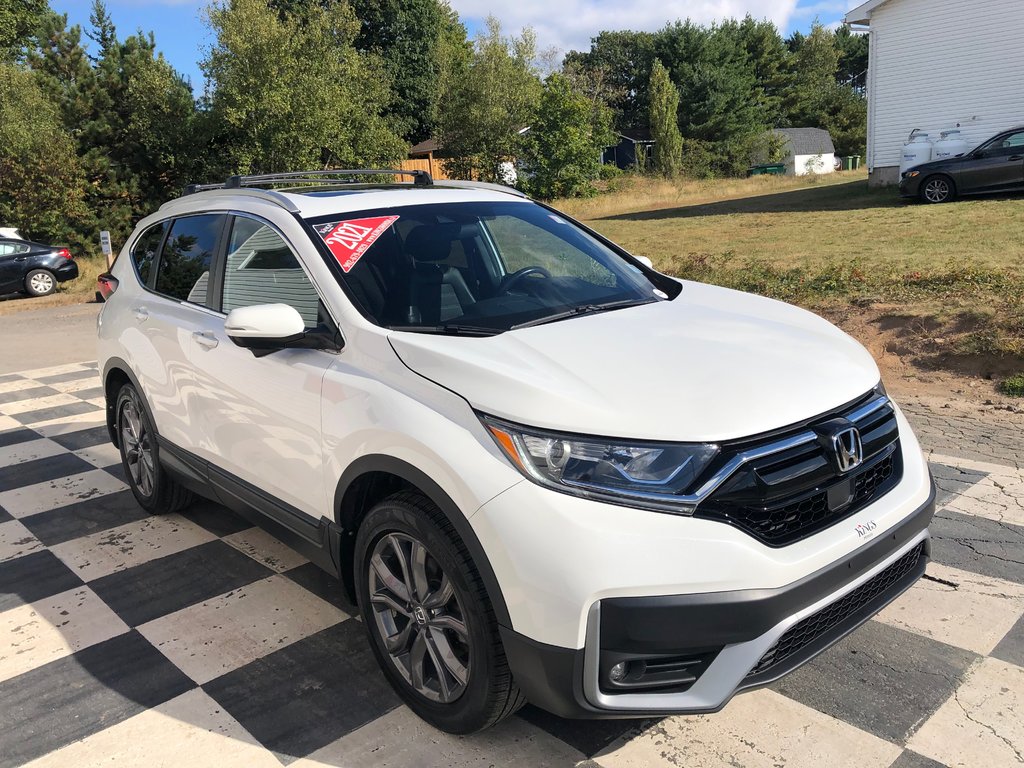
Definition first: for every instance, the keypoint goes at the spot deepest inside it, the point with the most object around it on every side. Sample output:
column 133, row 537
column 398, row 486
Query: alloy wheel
column 137, row 446
column 936, row 190
column 419, row 617
column 41, row 282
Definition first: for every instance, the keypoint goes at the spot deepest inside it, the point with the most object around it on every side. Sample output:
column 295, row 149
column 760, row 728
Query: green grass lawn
column 831, row 242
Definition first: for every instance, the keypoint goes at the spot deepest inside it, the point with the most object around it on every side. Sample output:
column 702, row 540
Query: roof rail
column 461, row 184
column 326, row 177
column 269, row 195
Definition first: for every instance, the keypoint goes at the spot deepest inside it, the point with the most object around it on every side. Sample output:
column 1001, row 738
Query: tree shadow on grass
column 854, row 195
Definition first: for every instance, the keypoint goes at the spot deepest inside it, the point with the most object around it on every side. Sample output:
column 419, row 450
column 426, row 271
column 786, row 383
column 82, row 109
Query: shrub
column 1013, row 386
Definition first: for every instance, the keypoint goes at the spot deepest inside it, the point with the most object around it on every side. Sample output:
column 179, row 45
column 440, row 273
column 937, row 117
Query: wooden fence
column 433, row 165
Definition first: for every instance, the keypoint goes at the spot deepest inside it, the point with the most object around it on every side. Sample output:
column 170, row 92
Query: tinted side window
column 184, row 270
column 1011, row 142
column 145, row 248
column 261, row 269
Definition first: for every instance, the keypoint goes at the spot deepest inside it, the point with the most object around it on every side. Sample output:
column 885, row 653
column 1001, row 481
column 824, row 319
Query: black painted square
column 950, row 482
column 41, row 470
column 1011, row 647
column 83, row 438
column 168, row 584
column 79, row 695
column 316, row 580
column 89, row 394
column 54, row 412
column 913, row 760
column 977, row 544
column 880, row 679
column 330, row 679
column 33, row 577
column 217, row 519
column 588, row 736
column 26, row 394
column 4, row 378
column 5, row 516
column 84, row 517
column 60, row 378
column 17, row 435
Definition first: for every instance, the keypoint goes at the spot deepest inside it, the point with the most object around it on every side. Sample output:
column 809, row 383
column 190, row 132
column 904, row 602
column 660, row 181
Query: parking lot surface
column 196, row 639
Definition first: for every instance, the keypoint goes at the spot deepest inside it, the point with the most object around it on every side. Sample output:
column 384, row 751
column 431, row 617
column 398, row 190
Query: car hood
column 711, row 365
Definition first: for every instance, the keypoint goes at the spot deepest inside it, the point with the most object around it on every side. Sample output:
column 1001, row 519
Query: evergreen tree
column 563, row 147
column 291, row 92
column 622, row 60
column 486, row 110
column 664, row 110
column 20, row 21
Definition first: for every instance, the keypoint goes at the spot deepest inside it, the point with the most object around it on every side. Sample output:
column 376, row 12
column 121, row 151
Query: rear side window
column 184, row 269
column 260, row 268
column 145, row 248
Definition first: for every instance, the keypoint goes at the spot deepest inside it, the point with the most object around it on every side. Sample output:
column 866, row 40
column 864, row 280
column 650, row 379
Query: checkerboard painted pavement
column 196, row 639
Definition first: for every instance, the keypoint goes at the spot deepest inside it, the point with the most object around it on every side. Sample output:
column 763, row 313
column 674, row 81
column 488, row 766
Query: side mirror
column 265, row 328
column 645, row 261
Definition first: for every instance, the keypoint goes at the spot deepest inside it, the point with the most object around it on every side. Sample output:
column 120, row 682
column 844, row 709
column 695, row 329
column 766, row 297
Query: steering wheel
column 505, row 285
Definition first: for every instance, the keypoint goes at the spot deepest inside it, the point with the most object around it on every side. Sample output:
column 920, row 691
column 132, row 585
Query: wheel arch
column 117, row 373
column 953, row 184
column 370, row 479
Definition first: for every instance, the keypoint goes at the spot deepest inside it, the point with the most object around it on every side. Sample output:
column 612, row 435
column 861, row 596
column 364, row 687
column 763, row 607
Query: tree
column 622, row 60
column 20, row 20
column 413, row 38
column 485, row 112
column 853, row 57
column 292, row 92
column 563, row 147
column 768, row 58
column 664, row 110
column 41, row 184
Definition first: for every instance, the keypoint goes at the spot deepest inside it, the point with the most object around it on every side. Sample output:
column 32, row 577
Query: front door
column 996, row 167
column 260, row 416
column 10, row 270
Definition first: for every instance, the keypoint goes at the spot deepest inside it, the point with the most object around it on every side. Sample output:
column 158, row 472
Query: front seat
column 438, row 291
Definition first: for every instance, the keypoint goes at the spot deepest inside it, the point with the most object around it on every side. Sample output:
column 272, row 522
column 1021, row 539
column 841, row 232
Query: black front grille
column 832, row 616
column 794, row 492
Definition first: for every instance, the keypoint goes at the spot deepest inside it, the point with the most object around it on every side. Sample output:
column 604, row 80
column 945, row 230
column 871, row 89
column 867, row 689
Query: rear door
column 166, row 316
column 996, row 167
column 260, row 416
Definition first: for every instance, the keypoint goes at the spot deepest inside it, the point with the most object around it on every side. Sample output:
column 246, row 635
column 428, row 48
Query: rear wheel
column 154, row 489
column 430, row 622
column 938, row 189
column 40, row 282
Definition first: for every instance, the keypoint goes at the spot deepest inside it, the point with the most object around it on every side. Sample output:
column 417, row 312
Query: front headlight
column 635, row 473
column 911, row 174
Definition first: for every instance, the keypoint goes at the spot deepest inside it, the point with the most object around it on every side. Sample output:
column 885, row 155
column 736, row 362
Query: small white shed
column 808, row 150
column 937, row 65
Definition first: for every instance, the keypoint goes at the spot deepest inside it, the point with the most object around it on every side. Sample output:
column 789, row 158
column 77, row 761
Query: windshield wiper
column 449, row 329
column 585, row 309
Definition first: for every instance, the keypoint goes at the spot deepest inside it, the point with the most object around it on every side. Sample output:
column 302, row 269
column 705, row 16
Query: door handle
column 141, row 314
column 1017, row 157
column 205, row 339
column 21, row 258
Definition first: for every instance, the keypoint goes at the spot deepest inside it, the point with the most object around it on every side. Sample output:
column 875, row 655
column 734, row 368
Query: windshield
column 481, row 267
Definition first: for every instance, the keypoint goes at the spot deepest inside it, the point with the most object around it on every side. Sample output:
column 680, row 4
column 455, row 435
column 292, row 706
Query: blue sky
column 181, row 35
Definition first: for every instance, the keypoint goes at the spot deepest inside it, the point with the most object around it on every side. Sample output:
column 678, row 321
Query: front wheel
column 430, row 623
column 938, row 189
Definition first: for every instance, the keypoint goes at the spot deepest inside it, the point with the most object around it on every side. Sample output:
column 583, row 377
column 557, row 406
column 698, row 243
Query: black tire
column 40, row 282
column 937, row 189
column 489, row 693
column 161, row 495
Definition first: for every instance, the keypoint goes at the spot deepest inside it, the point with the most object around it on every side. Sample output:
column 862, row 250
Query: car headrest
column 433, row 242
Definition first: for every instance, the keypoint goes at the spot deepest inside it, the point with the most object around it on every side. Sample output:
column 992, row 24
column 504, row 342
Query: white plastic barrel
column 951, row 144
column 917, row 150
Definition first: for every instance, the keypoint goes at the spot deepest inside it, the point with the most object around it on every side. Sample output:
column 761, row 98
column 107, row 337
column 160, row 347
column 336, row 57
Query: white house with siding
column 937, row 65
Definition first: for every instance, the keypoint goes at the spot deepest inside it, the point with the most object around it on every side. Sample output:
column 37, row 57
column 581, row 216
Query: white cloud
column 569, row 24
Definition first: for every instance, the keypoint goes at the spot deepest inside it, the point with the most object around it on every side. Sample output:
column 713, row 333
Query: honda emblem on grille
column 848, row 448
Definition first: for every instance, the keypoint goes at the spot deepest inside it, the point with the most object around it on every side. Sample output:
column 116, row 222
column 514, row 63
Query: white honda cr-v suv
column 544, row 471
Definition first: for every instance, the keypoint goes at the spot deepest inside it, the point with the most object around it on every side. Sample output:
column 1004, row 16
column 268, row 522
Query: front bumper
column 717, row 644
column 909, row 185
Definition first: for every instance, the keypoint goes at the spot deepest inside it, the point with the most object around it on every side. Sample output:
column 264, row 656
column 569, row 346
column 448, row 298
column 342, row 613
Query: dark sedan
column 995, row 166
column 33, row 267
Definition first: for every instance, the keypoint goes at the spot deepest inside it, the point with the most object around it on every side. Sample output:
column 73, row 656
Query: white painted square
column 231, row 630
column 264, row 548
column 55, row 370
column 65, row 424
column 40, row 632
column 31, row 499
column 30, row 450
column 756, row 730
column 974, row 615
column 982, row 723
column 16, row 540
column 38, row 403
column 116, row 549
column 102, row 455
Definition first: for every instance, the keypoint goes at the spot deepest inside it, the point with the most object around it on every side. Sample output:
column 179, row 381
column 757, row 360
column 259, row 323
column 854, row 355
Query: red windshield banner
column 349, row 240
